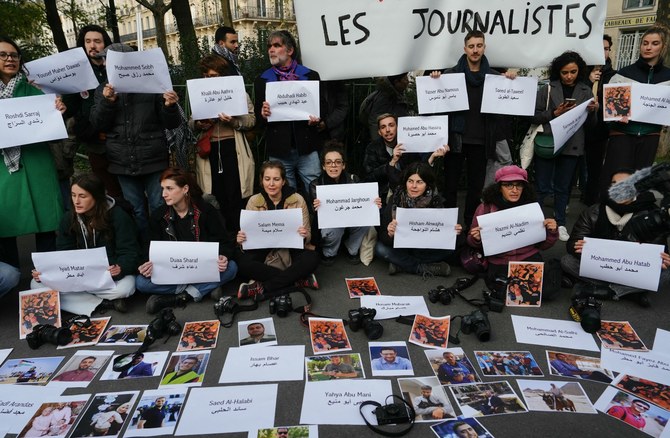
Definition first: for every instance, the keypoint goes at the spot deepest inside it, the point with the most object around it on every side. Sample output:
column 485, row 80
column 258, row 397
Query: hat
column 511, row 173
column 115, row 47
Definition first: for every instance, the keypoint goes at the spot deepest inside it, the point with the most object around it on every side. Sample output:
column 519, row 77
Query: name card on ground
column 388, row 307
column 649, row 365
column 272, row 228
column 347, row 205
column 211, row 96
column 184, row 262
column 18, row 403
column 514, row 97
column 65, row 72
column 426, row 228
column 564, row 126
column 225, row 409
column 292, row 100
column 274, row 363
column 512, row 228
column 442, row 95
column 628, row 263
column 423, row 134
column 32, row 119
column 138, row 72
column 77, row 270
column 553, row 333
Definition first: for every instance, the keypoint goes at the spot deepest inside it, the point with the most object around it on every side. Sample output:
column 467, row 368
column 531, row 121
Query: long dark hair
column 22, row 67
column 564, row 59
column 81, row 36
column 98, row 218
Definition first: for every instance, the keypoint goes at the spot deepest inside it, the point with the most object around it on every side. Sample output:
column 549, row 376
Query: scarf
column 612, row 217
column 12, row 155
column 228, row 55
column 427, row 200
column 286, row 73
column 474, row 78
column 286, row 191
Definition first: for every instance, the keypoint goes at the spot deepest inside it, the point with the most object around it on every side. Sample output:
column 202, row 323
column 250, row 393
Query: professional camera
column 364, row 318
column 394, row 413
column 495, row 295
column 477, row 322
column 281, row 305
column 441, row 294
column 225, row 305
column 164, row 324
column 49, row 334
column 586, row 311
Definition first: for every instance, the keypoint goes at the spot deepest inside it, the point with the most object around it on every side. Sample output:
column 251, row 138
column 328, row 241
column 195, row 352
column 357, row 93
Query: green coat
column 30, row 197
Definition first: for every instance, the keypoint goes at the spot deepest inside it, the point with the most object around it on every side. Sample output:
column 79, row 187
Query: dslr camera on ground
column 365, row 318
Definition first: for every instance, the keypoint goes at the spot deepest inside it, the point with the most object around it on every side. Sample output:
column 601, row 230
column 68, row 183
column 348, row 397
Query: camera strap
column 376, row 429
column 237, row 308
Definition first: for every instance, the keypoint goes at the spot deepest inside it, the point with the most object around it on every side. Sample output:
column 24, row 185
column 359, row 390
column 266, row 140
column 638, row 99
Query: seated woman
column 94, row 221
column 185, row 217
column 607, row 221
column 334, row 165
column 417, row 190
column 267, row 279
column 511, row 189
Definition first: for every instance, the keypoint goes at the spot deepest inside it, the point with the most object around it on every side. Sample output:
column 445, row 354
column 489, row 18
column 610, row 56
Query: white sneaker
column 563, row 234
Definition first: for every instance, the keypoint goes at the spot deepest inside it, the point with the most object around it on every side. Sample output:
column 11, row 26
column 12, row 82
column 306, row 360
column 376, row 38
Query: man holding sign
column 296, row 143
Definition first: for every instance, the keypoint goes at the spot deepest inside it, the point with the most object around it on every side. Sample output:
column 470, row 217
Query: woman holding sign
column 566, row 91
column 29, row 190
column 276, row 269
column 185, row 217
column 417, row 190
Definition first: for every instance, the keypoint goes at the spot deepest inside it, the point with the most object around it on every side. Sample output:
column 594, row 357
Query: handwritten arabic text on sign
column 426, row 228
column 28, row 120
column 211, row 96
column 184, row 262
column 292, row 100
column 76, row 270
column 509, row 96
column 138, row 72
column 272, row 229
column 442, row 95
column 423, row 134
column 347, row 205
column 512, row 228
column 65, row 72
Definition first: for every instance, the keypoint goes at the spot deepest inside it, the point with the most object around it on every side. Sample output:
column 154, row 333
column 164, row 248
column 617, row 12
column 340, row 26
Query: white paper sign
column 184, row 262
column 388, row 307
column 628, row 263
column 4, row 353
column 138, row 72
column 552, row 333
column 274, row 363
column 19, row 403
column 644, row 364
column 442, row 95
column 661, row 342
column 514, row 97
column 423, row 134
column 228, row 409
column 651, row 103
column 292, row 100
column 77, row 270
column 512, row 228
column 65, row 72
column 564, row 126
column 272, row 228
column 426, row 228
column 347, row 205
column 211, row 96
column 32, row 119
column 337, row 401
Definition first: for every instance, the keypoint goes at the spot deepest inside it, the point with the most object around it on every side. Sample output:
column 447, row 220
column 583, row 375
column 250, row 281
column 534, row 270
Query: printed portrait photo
column 106, row 415
column 39, row 306
column 358, row 287
column 427, row 397
column 452, row 366
column 186, row 368
column 483, row 399
column 524, row 284
column 156, row 413
column 461, row 428
column 577, row 367
column 33, row 370
column 430, row 332
column 85, row 335
column 334, row 366
column 648, row 390
column 620, row 335
column 390, row 359
column 507, row 363
column 328, row 335
column 259, row 332
column 143, row 365
column 633, row 411
column 555, row 396
column 54, row 419
column 199, row 335
column 124, row 335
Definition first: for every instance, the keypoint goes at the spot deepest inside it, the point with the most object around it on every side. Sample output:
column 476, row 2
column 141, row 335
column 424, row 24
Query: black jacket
column 377, row 168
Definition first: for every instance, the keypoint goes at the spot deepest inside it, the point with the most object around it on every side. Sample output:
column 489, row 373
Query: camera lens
column 483, row 333
column 373, row 329
column 590, row 319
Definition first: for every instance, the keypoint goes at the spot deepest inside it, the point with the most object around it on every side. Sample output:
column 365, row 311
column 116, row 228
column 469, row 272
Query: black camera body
column 165, row 324
column 225, row 305
column 477, row 322
column 364, row 318
column 394, row 413
column 586, row 311
column 48, row 334
column 495, row 295
column 442, row 294
column 281, row 305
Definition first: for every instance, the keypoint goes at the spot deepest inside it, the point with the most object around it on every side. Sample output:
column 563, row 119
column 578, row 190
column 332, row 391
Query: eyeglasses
column 12, row 55
column 333, row 162
column 512, row 185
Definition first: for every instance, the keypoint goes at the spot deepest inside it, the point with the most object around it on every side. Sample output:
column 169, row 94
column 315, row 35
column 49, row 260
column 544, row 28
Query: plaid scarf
column 11, row 155
column 228, row 56
column 287, row 73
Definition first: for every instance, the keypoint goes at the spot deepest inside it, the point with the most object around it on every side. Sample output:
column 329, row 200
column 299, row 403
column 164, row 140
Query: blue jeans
column 331, row 238
column 308, row 167
column 134, row 189
column 409, row 259
column 197, row 290
column 560, row 170
column 9, row 277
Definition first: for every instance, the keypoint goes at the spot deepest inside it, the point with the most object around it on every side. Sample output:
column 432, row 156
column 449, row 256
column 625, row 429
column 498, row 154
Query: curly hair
column 564, row 59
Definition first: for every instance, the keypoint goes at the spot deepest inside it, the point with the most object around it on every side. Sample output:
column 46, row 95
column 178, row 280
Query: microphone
column 626, row 190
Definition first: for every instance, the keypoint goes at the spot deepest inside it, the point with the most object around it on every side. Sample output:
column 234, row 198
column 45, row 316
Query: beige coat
column 257, row 203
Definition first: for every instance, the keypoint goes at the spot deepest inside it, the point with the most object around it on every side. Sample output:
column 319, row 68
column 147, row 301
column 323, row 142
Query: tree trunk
column 113, row 22
column 226, row 14
column 190, row 52
column 158, row 9
column 55, row 25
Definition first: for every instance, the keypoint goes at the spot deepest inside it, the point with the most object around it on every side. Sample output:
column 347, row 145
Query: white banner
column 512, row 228
column 628, row 263
column 514, row 97
column 64, row 72
column 292, row 100
column 350, row 38
column 27, row 120
column 78, row 270
column 211, row 96
column 426, row 228
column 347, row 205
column 651, row 104
column 272, row 229
column 184, row 262
column 423, row 134
column 442, row 95
column 138, row 72
column 564, row 126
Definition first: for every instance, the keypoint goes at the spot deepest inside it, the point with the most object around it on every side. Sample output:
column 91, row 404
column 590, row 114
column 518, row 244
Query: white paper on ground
column 274, row 363
column 553, row 333
column 388, row 306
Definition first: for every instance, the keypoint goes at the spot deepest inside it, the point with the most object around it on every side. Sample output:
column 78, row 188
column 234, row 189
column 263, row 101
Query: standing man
column 429, row 407
column 472, row 134
column 295, row 144
column 390, row 361
column 453, row 371
column 153, row 417
column 228, row 46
